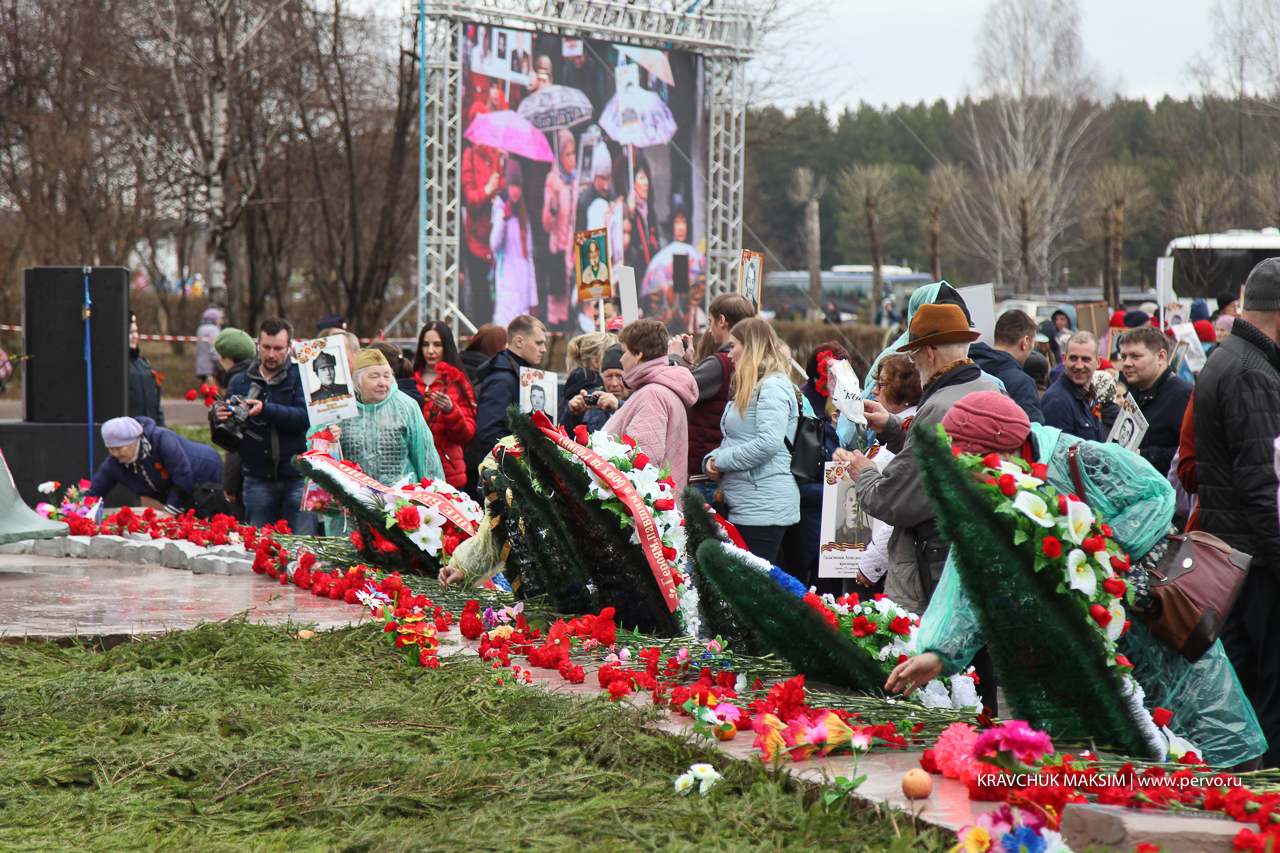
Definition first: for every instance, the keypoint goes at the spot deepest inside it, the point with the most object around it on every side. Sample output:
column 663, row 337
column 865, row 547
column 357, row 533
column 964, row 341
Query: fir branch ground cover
column 235, row 737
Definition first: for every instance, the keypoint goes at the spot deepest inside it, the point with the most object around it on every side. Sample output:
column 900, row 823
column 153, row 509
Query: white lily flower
column 1033, row 507
column 1079, row 520
column 1116, row 626
column 1080, row 574
column 1021, row 477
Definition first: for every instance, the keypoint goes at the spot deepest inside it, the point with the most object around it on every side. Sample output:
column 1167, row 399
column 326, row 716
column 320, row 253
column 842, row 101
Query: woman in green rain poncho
column 389, row 439
column 1209, row 707
column 929, row 294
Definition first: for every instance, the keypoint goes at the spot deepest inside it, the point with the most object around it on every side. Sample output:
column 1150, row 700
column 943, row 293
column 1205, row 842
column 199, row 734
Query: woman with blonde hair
column 752, row 463
column 585, row 359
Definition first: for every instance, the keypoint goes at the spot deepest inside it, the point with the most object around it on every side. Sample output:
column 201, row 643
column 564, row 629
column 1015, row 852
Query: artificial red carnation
column 927, row 764
column 619, row 689
column 408, row 519
column 863, row 627
column 1162, row 716
column 664, row 504
column 1039, row 470
column 991, row 460
column 1052, row 547
column 639, row 461
column 900, row 625
column 470, row 626
column 191, row 395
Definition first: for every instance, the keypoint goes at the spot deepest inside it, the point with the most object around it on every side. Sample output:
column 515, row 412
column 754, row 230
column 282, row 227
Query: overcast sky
column 909, row 50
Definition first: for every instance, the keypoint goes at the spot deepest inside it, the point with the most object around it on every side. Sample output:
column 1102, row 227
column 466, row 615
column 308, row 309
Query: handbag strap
column 1073, row 461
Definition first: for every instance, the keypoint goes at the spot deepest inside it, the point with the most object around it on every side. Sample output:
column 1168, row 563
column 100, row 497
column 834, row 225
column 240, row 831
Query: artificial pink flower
column 1026, row 744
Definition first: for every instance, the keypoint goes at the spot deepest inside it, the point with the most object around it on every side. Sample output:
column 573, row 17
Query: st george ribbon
column 622, row 489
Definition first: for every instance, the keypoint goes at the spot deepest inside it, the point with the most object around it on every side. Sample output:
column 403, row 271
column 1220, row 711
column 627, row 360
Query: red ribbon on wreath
column 650, row 540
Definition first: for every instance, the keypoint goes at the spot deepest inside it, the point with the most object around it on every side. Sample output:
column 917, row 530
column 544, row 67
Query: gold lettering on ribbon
column 621, row 487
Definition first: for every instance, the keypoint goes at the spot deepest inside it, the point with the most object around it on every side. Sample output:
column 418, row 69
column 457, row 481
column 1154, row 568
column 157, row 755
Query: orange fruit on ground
column 916, row 784
column 728, row 733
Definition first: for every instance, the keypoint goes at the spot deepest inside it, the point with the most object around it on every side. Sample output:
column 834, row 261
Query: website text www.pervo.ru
column 1119, row 780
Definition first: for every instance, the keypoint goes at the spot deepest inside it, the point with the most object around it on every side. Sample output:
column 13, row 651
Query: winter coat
column 144, row 389
column 1066, row 409
column 166, row 460
column 558, row 224
column 755, row 464
column 207, row 363
column 655, row 414
column 1020, row 387
column 471, row 361
column 712, row 374
column 408, row 386
column 515, row 285
column 896, row 495
column 452, row 430
column 475, row 174
column 499, row 389
column 1163, row 405
column 1237, row 416
column 283, row 415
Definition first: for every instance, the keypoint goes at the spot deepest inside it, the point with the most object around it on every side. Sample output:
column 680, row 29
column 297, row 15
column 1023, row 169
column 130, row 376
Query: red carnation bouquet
column 446, row 376
column 823, row 384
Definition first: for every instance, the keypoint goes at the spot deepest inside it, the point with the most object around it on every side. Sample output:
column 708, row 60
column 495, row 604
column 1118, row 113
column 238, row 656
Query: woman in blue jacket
column 154, row 462
column 752, row 463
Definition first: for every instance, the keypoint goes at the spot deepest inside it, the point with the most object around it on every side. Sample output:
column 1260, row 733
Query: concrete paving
column 56, row 597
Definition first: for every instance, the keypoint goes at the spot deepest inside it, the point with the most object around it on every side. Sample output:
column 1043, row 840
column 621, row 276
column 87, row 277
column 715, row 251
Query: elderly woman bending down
column 389, row 439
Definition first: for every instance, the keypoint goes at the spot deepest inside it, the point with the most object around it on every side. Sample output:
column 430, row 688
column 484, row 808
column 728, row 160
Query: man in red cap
column 938, row 344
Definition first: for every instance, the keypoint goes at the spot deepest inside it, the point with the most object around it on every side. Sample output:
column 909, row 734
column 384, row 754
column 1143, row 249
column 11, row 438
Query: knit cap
column 987, row 422
column 1262, row 287
column 235, row 344
column 121, row 432
column 1205, row 331
column 612, row 358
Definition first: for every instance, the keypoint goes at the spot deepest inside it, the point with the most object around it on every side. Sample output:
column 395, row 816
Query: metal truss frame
column 721, row 31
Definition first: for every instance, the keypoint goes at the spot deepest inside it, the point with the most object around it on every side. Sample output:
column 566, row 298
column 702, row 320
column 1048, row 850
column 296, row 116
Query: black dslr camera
column 229, row 433
column 592, row 399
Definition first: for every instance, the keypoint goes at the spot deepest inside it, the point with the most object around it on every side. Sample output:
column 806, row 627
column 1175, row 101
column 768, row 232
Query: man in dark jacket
column 276, row 432
column 1015, row 338
column 1237, row 417
column 1070, row 401
column 1162, row 396
column 500, row 377
column 144, row 381
column 154, row 462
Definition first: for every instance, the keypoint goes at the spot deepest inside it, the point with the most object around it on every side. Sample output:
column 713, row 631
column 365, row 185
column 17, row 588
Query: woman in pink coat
column 656, row 413
column 559, row 203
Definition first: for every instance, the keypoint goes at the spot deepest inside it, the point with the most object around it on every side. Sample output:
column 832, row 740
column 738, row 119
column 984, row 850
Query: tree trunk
column 1026, row 245
column 1117, row 248
column 1107, row 293
column 873, row 238
column 813, row 249
column 935, row 240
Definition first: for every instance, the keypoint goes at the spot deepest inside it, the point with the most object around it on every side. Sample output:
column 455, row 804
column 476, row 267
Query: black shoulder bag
column 809, row 451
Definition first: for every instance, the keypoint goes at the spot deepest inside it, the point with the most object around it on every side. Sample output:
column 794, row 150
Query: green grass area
column 196, row 433
column 233, row 737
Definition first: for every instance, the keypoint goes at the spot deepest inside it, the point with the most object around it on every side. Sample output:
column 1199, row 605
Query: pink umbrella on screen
column 507, row 130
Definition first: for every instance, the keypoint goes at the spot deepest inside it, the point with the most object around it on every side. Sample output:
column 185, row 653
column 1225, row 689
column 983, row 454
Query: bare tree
column 946, row 182
column 1264, row 186
column 1115, row 197
column 806, row 191
column 873, row 188
column 1028, row 138
column 1201, row 203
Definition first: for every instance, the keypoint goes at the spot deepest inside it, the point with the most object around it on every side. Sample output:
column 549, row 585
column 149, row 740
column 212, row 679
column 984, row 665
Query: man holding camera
column 275, row 431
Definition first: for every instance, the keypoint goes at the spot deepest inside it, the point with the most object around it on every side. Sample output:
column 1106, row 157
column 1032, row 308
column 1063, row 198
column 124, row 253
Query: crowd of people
column 723, row 416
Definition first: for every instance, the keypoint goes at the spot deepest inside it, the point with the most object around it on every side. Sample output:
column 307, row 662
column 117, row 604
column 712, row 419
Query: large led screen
column 563, row 135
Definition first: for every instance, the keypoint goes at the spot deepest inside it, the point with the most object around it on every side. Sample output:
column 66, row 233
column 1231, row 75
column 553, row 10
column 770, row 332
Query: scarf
column 956, row 373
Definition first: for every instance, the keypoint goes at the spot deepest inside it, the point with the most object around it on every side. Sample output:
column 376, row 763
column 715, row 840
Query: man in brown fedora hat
column 938, row 344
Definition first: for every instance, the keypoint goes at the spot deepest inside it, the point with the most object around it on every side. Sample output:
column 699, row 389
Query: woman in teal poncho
column 1209, row 707
column 389, row 439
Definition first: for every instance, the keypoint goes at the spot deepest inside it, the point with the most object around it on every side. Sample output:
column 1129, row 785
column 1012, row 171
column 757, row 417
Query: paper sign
column 502, row 53
column 327, row 383
column 615, row 223
column 627, row 293
column 1178, row 356
column 569, row 48
column 980, row 299
column 538, row 392
column 846, row 528
column 594, row 278
column 846, row 392
column 1130, row 425
column 1186, row 333
column 1164, row 281
column 749, row 277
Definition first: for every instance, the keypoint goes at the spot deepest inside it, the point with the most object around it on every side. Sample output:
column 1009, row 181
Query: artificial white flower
column 884, row 605
column 1116, row 626
column 1178, row 747
column 684, row 783
column 48, row 487
column 859, row 741
column 705, row 786
column 1080, row 575
column 1033, row 507
column 703, row 771
column 1053, row 842
column 1021, row 477
column 1079, row 521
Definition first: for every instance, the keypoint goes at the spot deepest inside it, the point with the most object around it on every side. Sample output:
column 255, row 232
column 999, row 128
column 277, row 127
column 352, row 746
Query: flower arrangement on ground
column 77, row 509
